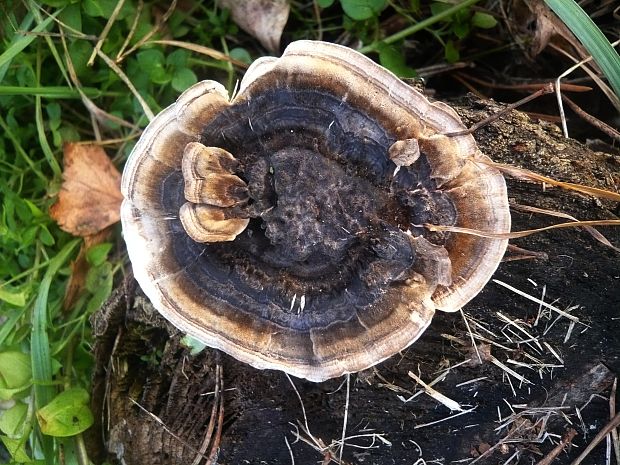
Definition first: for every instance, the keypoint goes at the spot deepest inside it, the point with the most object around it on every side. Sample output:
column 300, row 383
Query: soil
column 156, row 401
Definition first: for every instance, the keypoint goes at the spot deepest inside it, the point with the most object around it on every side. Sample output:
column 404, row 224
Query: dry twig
column 547, row 89
column 613, row 424
column 106, row 30
column 218, row 406
column 151, row 33
column 528, row 87
column 581, row 64
column 495, row 446
column 597, row 123
column 551, row 456
column 612, row 413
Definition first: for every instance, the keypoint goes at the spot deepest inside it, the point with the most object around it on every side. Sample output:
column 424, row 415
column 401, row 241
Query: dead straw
column 524, row 233
column 527, row 175
column 438, row 396
column 346, row 417
column 123, row 77
column 593, row 232
column 538, row 301
column 210, row 52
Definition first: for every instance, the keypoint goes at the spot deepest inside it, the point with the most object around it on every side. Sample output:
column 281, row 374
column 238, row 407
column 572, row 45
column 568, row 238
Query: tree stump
column 157, row 403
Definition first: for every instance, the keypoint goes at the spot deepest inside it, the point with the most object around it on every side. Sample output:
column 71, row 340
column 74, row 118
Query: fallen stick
column 612, row 411
column 613, row 423
column 551, row 456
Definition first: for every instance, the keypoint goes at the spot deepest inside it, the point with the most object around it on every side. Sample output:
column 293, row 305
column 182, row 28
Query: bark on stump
column 154, row 401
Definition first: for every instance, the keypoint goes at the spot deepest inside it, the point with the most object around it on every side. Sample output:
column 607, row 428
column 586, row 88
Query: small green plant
column 448, row 23
column 358, row 10
column 458, row 27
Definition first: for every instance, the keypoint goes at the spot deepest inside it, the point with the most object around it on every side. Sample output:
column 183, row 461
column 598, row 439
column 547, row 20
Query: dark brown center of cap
column 331, row 216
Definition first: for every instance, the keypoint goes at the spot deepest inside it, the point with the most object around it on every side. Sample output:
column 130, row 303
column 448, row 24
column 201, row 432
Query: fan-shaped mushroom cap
column 286, row 226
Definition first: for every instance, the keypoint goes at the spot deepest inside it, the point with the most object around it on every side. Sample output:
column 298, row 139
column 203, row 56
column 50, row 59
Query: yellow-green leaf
column 13, row 297
column 15, row 373
column 12, row 420
column 16, row 449
column 67, row 414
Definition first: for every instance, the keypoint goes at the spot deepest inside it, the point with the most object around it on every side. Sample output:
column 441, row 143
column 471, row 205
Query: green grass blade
column 20, row 150
column 40, row 348
column 38, row 116
column 39, row 340
column 45, row 146
column 419, row 26
column 16, row 47
column 591, row 37
column 55, row 92
column 7, row 326
column 34, row 8
column 25, row 24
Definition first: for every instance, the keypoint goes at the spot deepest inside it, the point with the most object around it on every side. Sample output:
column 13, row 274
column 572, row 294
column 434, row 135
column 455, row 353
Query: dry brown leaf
column 263, row 19
column 483, row 447
column 477, row 355
column 90, row 197
column 79, row 268
column 550, row 28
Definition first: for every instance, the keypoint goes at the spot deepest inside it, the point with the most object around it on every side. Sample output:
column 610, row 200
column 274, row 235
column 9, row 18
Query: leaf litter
column 90, row 198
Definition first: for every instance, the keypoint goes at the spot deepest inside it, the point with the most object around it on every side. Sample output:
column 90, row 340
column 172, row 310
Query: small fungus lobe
column 286, row 226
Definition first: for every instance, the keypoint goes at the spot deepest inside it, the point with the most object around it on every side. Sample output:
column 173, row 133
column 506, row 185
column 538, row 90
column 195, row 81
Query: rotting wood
column 262, row 404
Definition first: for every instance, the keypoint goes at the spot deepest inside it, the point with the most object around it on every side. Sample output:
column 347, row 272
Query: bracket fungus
column 285, row 225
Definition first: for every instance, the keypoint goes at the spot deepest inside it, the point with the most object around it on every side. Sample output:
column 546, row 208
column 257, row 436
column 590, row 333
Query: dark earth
column 155, row 402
